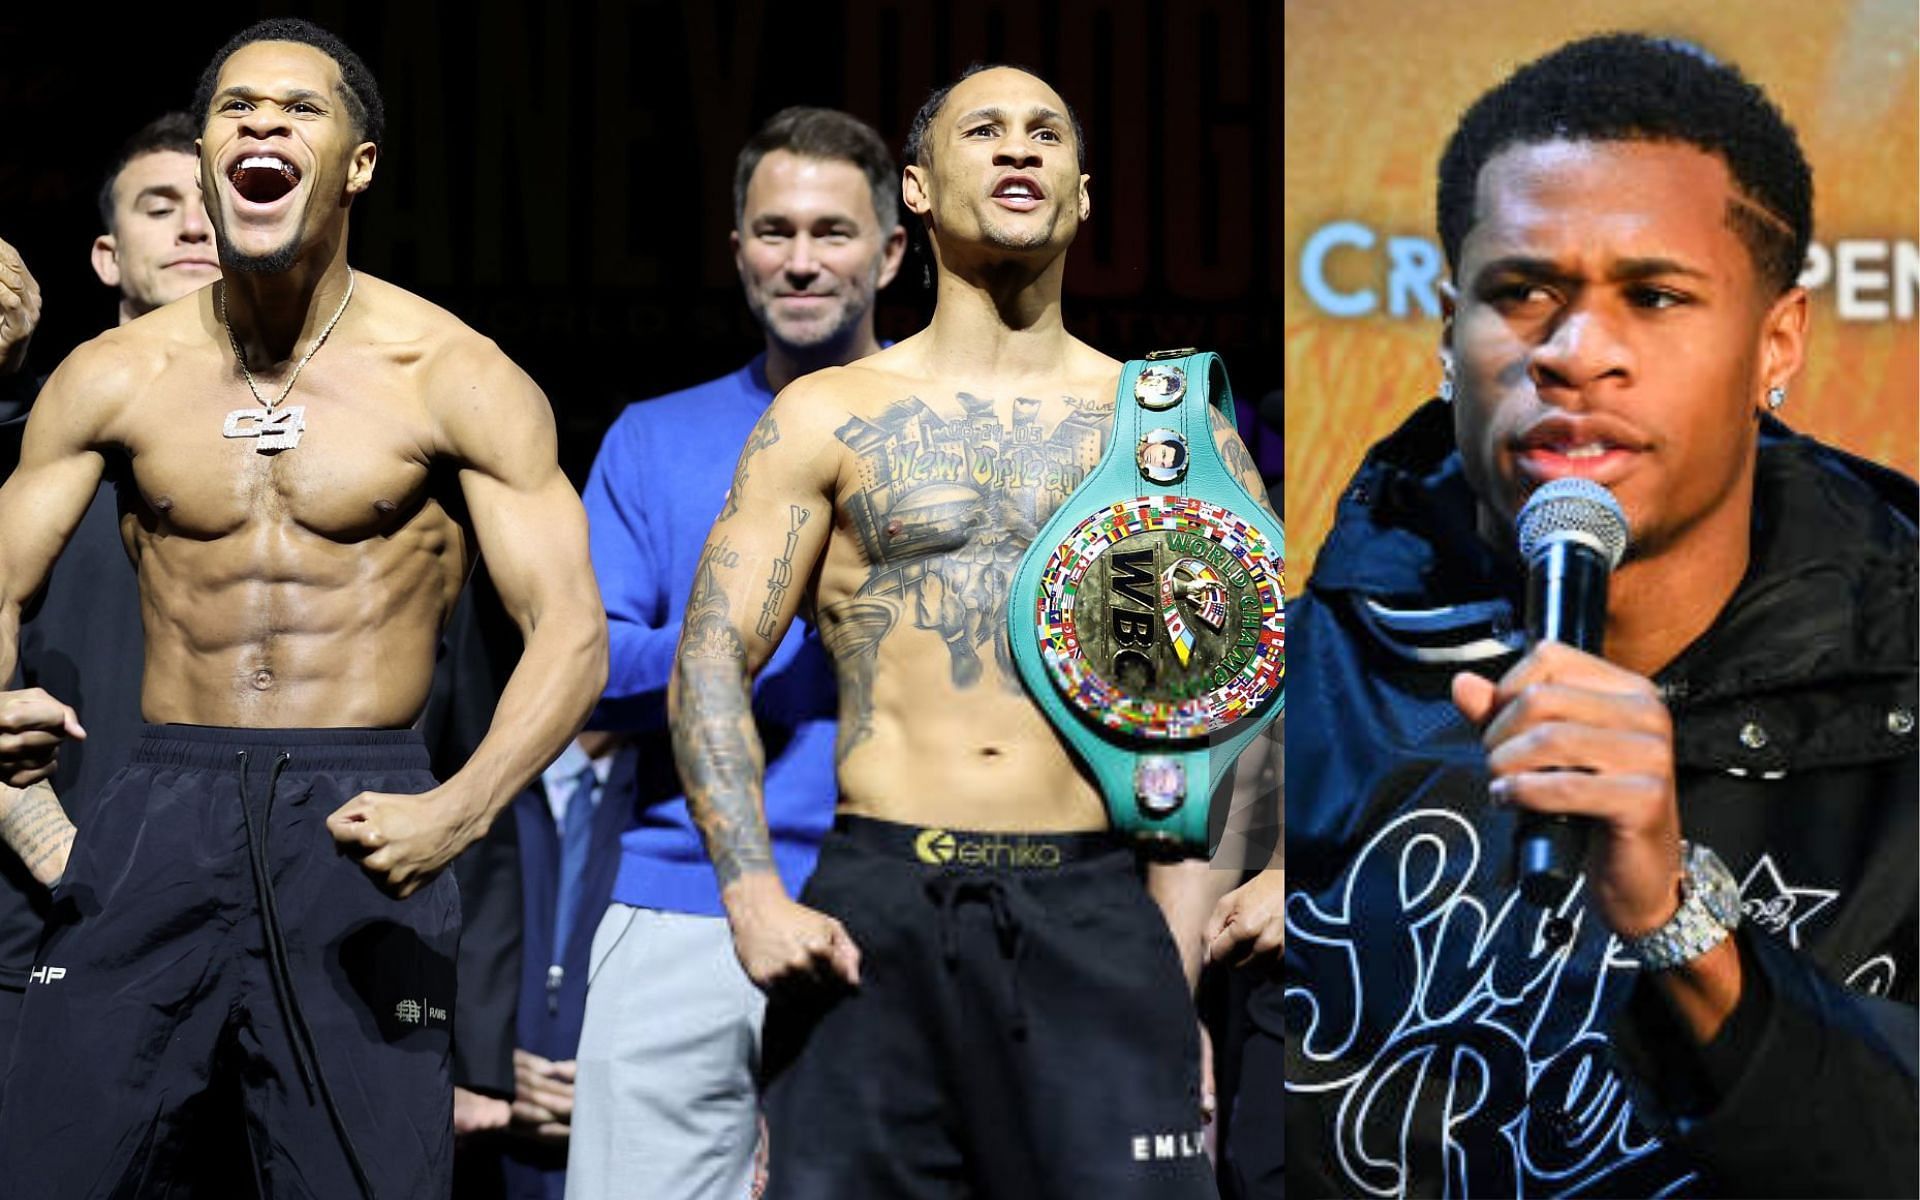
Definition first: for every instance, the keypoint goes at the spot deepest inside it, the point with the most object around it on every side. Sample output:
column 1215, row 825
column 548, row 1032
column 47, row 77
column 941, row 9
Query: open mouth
column 263, row 178
column 1017, row 192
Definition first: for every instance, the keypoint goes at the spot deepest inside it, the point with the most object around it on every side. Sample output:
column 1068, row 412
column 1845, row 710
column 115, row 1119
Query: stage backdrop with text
column 1374, row 88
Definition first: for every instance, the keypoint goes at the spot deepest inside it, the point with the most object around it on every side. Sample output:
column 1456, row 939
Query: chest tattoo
column 945, row 505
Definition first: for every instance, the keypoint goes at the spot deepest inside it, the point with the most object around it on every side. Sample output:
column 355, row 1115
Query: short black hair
column 174, row 131
column 823, row 133
column 917, row 150
column 1633, row 87
column 364, row 105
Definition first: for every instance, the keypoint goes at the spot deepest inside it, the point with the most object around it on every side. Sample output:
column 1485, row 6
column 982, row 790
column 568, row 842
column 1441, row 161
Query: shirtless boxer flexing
column 974, row 994
column 316, row 457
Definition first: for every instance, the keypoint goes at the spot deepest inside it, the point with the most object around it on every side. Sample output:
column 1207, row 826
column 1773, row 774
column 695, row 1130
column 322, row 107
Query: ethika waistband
column 1005, row 850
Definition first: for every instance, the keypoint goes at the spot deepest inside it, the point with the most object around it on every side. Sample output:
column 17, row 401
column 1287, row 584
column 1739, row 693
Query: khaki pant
column 664, row 1099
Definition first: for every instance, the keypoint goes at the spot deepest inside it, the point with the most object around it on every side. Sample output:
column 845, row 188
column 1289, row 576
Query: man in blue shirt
column 665, row 1101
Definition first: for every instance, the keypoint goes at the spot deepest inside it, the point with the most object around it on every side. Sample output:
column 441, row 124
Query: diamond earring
column 1776, row 396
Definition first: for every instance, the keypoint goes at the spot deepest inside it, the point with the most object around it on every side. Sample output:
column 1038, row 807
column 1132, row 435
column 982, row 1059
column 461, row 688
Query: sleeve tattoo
column 765, row 433
column 715, row 742
column 37, row 829
column 781, row 577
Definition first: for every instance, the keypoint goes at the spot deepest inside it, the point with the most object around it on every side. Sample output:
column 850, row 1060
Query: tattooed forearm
column 34, row 825
column 851, row 633
column 715, row 742
column 765, row 433
column 782, row 577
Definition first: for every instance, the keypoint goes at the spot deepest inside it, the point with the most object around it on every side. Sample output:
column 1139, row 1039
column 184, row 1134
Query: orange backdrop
column 1373, row 88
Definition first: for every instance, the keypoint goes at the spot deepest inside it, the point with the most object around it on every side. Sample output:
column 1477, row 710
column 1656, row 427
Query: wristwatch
column 1709, row 911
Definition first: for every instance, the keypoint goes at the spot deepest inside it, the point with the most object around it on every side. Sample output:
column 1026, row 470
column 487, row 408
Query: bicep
column 770, row 533
column 42, row 501
column 529, row 522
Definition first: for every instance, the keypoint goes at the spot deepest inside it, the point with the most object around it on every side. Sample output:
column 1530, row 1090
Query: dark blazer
column 549, row 1025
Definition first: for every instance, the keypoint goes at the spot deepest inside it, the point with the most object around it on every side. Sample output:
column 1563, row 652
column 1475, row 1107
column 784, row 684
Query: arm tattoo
column 37, row 828
column 782, row 577
column 852, row 633
column 765, row 433
column 715, row 742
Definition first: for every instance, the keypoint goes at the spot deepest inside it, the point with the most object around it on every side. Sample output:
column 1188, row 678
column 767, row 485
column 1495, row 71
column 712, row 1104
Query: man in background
column 81, row 638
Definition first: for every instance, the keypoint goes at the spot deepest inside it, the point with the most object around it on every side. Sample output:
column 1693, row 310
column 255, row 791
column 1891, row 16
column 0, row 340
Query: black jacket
column 80, row 639
column 1439, row 1040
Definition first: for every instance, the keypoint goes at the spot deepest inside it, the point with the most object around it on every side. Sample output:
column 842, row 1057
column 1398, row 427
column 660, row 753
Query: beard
column 273, row 262
column 800, row 338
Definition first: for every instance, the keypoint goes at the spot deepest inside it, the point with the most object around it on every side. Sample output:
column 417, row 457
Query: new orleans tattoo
column 765, row 433
column 782, row 577
column 715, row 742
column 944, row 506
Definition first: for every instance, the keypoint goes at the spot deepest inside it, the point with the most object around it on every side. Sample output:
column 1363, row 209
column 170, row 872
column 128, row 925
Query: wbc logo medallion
column 1163, row 618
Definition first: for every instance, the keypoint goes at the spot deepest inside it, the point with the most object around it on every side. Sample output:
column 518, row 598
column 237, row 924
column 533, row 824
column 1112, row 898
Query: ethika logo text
column 1458, row 1036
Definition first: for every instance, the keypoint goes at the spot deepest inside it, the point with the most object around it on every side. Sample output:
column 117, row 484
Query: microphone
column 1572, row 533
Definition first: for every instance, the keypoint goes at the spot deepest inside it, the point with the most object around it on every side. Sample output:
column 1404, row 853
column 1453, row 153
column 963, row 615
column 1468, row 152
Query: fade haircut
column 358, row 87
column 173, row 132
column 832, row 136
column 1630, row 87
column 920, row 153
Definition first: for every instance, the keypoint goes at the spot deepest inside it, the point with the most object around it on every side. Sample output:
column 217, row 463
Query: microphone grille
column 1574, row 507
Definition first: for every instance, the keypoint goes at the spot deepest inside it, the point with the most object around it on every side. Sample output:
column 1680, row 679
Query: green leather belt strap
column 1147, row 618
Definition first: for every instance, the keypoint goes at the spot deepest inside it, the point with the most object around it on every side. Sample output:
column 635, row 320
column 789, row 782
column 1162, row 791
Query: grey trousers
column 664, row 1099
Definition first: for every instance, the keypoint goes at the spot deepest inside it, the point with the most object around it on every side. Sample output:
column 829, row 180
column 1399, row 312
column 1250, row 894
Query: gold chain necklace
column 274, row 427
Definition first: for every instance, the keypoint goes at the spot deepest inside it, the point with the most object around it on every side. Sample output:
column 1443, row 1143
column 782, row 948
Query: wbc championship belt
column 1147, row 618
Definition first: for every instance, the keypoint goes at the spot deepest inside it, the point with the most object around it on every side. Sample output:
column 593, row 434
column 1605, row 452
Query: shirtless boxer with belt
column 974, row 994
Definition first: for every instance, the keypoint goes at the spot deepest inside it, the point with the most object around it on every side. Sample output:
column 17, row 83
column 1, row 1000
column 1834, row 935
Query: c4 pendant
column 275, row 428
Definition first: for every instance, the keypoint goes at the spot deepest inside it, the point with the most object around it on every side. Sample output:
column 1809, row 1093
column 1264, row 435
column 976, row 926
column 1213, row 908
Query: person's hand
column 402, row 841
column 32, row 726
column 1567, row 732
column 474, row 1113
column 19, row 309
column 542, row 1097
column 1250, row 922
column 780, row 941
